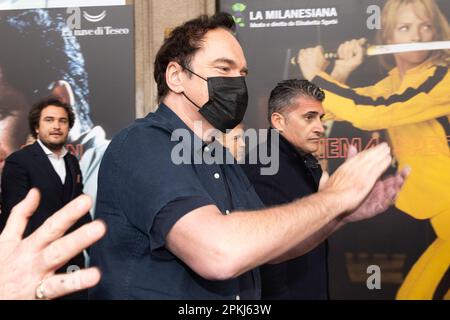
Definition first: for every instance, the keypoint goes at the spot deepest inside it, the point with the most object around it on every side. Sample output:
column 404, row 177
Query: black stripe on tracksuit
column 409, row 93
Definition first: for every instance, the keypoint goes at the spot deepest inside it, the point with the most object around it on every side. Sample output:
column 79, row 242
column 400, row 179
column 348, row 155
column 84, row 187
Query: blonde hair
column 440, row 26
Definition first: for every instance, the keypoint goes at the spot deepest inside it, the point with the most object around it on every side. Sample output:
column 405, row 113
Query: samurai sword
column 375, row 50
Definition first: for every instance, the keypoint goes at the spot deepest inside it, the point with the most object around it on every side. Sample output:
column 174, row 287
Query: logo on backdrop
column 294, row 17
column 93, row 18
column 238, row 9
column 74, row 27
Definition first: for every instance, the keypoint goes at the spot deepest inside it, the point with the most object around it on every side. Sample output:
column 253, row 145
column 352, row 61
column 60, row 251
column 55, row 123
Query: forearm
column 311, row 242
column 220, row 246
column 369, row 109
column 340, row 75
column 269, row 234
column 225, row 246
column 376, row 202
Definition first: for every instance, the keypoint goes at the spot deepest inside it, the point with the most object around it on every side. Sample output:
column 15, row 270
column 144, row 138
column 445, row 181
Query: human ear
column 278, row 121
column 174, row 77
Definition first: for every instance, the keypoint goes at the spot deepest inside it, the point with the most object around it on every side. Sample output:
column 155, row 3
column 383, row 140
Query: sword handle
column 327, row 55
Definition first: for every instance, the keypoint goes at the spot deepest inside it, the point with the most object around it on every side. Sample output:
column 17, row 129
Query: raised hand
column 312, row 61
column 355, row 178
column 351, row 55
column 27, row 266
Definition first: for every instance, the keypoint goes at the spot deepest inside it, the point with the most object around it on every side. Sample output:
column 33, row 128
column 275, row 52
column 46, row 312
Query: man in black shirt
column 182, row 227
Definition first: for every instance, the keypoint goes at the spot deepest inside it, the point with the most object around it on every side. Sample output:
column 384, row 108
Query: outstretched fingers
column 62, row 250
column 55, row 226
column 20, row 215
column 63, row 284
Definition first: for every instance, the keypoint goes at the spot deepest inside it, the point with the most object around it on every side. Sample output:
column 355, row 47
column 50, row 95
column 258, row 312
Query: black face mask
column 228, row 99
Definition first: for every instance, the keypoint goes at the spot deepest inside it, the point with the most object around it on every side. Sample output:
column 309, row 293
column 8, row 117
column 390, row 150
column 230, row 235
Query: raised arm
column 428, row 101
column 221, row 247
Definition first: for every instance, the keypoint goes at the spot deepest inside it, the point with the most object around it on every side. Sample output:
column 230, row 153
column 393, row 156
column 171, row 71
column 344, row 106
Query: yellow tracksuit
column 415, row 111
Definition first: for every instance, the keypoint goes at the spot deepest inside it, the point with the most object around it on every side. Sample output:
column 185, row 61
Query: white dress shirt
column 57, row 162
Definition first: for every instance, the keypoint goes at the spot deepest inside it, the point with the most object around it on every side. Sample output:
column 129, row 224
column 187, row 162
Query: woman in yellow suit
column 413, row 104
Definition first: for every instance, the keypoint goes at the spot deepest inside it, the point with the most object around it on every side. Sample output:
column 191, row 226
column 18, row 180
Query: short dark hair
column 283, row 95
column 183, row 42
column 35, row 113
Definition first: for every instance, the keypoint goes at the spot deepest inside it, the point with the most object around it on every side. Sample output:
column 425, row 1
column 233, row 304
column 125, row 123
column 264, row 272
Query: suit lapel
column 71, row 171
column 308, row 160
column 45, row 165
column 314, row 168
column 317, row 175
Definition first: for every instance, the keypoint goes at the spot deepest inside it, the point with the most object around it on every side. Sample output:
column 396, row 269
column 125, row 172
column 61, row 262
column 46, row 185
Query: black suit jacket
column 305, row 277
column 30, row 167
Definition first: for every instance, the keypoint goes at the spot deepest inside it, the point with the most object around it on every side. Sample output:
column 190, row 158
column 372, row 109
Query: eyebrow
column 53, row 117
column 313, row 113
column 409, row 22
column 231, row 63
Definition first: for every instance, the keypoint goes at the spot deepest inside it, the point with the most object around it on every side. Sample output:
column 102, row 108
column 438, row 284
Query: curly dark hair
column 183, row 42
column 283, row 95
column 35, row 112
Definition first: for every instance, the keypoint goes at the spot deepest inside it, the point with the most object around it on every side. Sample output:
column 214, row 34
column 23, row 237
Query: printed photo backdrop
column 272, row 33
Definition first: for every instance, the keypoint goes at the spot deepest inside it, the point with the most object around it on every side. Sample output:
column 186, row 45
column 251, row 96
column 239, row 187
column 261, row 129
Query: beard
column 54, row 146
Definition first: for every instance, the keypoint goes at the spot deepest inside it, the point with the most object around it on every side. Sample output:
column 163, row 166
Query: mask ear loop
column 195, row 73
column 190, row 100
column 183, row 91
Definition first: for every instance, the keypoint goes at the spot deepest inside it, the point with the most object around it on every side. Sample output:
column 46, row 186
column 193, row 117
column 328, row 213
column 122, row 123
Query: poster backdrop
column 83, row 54
column 272, row 33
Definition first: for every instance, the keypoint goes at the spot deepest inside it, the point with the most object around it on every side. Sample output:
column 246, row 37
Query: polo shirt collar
column 174, row 122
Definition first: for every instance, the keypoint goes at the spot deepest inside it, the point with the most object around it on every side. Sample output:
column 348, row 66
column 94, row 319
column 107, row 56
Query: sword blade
column 407, row 47
column 375, row 50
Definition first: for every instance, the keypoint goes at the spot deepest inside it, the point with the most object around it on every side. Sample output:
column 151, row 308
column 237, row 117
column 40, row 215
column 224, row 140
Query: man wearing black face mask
column 227, row 102
column 198, row 230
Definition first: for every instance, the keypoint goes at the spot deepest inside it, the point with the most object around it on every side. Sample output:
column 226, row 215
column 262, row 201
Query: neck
column 404, row 66
column 189, row 114
column 56, row 149
column 301, row 152
column 402, row 69
column 298, row 149
column 57, row 152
